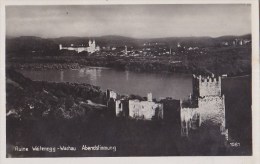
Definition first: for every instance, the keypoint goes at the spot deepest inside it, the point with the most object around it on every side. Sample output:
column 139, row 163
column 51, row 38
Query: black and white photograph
column 128, row 80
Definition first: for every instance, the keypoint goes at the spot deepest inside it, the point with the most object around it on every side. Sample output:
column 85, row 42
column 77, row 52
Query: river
column 177, row 86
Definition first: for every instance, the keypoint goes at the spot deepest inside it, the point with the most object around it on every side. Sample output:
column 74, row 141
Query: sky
column 137, row 21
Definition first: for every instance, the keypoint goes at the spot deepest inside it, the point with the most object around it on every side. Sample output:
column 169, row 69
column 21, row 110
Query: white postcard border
column 183, row 159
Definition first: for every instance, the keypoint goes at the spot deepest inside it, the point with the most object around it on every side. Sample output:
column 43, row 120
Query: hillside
column 27, row 99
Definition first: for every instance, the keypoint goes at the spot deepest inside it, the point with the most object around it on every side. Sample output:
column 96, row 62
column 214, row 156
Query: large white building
column 90, row 49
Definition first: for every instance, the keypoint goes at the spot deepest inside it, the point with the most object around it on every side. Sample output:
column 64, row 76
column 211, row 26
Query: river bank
column 233, row 62
column 73, row 66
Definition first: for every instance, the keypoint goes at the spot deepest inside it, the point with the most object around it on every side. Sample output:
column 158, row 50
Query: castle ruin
column 205, row 106
column 146, row 110
column 134, row 108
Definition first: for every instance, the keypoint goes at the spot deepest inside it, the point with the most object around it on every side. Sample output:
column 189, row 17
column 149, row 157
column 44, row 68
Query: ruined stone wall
column 212, row 110
column 119, row 107
column 187, row 115
column 111, row 107
column 171, row 110
column 111, row 94
column 145, row 109
column 195, row 86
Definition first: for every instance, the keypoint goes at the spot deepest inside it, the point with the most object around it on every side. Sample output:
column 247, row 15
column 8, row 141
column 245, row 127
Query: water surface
column 177, row 86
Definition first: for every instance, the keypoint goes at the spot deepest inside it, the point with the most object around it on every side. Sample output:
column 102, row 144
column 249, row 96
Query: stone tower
column 206, row 105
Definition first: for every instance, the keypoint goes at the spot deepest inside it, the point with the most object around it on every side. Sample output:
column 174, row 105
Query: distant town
column 200, row 55
column 152, row 49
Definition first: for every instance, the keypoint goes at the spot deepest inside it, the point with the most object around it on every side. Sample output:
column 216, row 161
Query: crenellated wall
column 210, row 87
column 206, row 86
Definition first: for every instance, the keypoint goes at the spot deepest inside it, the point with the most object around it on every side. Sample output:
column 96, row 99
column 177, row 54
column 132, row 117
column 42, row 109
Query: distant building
column 90, row 49
column 180, row 48
column 225, row 43
column 241, row 42
column 125, row 50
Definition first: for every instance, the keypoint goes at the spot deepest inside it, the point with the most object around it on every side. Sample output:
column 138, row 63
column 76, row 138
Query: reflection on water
column 161, row 85
column 61, row 75
column 91, row 74
column 127, row 75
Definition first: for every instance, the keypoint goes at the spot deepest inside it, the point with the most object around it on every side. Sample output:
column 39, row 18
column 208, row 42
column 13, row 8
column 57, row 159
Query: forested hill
column 27, row 99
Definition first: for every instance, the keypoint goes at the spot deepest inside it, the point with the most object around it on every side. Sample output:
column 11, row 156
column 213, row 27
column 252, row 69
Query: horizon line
column 204, row 36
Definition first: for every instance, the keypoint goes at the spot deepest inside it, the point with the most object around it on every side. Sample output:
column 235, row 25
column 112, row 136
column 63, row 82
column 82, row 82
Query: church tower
column 94, row 44
column 125, row 50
